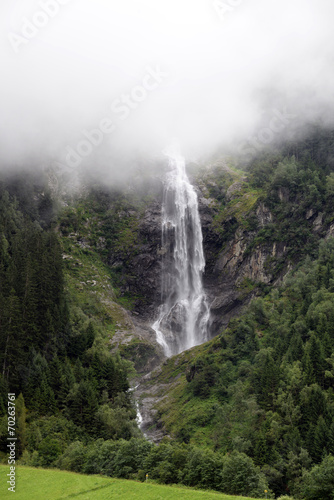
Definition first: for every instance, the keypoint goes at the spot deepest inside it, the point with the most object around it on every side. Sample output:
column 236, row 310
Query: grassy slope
column 40, row 484
column 215, row 182
column 91, row 287
column 89, row 284
column 180, row 407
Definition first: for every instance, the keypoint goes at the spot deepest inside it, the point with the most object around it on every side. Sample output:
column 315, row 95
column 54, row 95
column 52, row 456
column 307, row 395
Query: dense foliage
column 297, row 185
column 265, row 386
column 70, row 386
column 167, row 463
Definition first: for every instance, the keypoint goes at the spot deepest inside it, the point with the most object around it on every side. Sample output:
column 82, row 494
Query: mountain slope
column 265, row 385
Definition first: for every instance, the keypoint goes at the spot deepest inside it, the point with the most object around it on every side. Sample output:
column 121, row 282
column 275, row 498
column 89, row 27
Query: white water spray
column 184, row 313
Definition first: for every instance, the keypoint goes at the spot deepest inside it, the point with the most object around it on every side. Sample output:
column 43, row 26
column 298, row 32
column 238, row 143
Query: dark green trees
column 58, row 372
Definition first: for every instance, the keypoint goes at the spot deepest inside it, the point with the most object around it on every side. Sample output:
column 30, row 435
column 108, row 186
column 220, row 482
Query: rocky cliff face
column 143, row 269
column 234, row 269
column 245, row 247
column 233, row 272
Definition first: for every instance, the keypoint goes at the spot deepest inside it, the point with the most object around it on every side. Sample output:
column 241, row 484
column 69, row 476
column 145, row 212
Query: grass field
column 40, row 484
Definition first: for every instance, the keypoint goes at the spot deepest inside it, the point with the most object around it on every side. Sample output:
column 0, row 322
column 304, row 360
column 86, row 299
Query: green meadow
column 52, row 484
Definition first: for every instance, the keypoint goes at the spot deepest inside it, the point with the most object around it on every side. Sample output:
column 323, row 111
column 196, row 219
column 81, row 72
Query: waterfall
column 184, row 311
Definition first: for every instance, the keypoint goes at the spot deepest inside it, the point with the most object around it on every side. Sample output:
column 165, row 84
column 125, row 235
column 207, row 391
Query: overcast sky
column 84, row 78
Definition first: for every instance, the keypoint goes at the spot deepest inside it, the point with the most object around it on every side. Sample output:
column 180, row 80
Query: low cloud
column 77, row 84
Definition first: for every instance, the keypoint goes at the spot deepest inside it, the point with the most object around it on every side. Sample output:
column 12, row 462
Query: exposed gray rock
column 233, row 190
column 264, row 215
column 283, row 194
column 136, row 341
column 148, row 394
column 143, row 269
column 317, row 223
column 330, row 232
column 309, row 213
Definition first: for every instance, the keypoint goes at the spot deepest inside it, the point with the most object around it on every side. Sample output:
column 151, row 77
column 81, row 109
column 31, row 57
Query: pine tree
column 266, row 378
column 322, row 330
column 21, row 433
column 296, row 347
column 313, row 406
column 314, row 362
column 55, row 376
column 261, row 450
column 82, row 404
column 11, row 334
column 321, row 440
column 330, row 445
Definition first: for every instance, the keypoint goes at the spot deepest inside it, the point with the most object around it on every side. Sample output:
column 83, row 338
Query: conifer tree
column 321, row 440
column 21, row 431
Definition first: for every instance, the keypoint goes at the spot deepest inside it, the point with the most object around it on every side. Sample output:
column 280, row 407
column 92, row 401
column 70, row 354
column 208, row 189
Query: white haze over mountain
column 207, row 72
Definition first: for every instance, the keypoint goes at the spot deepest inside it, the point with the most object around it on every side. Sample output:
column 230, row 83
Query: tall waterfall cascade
column 184, row 312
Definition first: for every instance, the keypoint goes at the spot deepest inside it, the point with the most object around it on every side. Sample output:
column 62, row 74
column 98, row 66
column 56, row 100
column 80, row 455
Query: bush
column 49, row 450
column 318, row 484
column 165, row 462
column 240, row 476
column 73, row 458
column 120, row 458
column 202, row 469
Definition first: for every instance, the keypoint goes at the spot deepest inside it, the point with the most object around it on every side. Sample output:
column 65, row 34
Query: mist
column 94, row 84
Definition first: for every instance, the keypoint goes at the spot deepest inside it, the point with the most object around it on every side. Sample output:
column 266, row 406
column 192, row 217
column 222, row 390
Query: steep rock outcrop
column 144, row 268
column 234, row 269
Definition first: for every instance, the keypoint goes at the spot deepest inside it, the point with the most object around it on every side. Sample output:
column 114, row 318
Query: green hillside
column 265, row 385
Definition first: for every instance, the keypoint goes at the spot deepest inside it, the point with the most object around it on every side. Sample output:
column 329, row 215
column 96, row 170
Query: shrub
column 240, row 476
column 318, row 483
column 202, row 469
column 73, row 458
